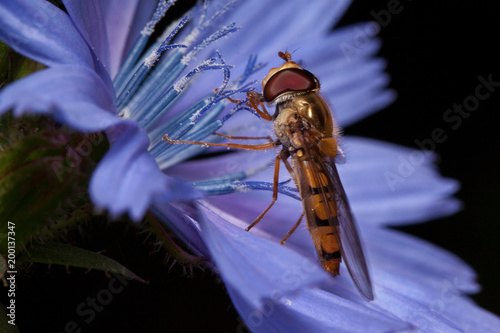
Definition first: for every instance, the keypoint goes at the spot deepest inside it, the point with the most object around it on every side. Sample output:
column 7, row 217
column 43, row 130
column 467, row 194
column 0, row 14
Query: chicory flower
column 100, row 76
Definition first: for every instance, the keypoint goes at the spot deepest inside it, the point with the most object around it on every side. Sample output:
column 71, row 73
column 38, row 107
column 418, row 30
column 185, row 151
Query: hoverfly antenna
column 287, row 56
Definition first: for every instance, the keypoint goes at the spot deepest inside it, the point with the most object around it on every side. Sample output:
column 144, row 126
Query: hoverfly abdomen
column 322, row 213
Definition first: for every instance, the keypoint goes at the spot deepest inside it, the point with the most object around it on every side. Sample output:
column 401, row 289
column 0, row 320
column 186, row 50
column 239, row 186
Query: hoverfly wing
column 351, row 248
column 325, row 202
column 340, row 158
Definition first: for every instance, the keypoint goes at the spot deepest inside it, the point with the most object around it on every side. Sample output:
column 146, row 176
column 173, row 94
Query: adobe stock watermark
column 88, row 309
column 28, row 33
column 11, row 272
column 292, row 278
column 363, row 36
column 74, row 156
column 449, row 293
column 453, row 118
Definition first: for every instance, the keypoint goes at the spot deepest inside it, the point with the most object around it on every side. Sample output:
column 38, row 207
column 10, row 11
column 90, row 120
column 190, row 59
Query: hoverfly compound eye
column 289, row 80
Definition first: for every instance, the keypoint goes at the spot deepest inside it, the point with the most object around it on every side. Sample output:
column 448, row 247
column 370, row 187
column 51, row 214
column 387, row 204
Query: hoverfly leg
column 228, row 145
column 254, row 101
column 275, row 193
column 295, row 226
column 235, row 101
column 244, row 137
column 284, row 157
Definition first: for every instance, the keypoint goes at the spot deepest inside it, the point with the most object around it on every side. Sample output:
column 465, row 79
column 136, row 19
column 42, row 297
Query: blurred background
column 436, row 52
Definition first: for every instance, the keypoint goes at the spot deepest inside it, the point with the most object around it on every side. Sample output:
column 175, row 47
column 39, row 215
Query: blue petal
column 422, row 283
column 75, row 96
column 88, row 19
column 256, row 267
column 182, row 225
column 268, row 27
column 128, row 180
column 314, row 310
column 444, row 311
column 419, row 315
column 42, row 32
column 391, row 184
column 415, row 268
column 274, row 26
column 124, row 20
column 469, row 316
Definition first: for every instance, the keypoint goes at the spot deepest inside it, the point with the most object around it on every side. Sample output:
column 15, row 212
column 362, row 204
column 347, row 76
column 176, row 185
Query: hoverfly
column 305, row 129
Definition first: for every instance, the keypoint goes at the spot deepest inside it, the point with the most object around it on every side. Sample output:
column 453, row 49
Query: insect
column 305, row 129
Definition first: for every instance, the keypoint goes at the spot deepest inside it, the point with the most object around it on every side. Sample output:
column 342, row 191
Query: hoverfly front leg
column 275, row 193
column 284, row 157
column 228, row 145
column 245, row 137
column 254, row 101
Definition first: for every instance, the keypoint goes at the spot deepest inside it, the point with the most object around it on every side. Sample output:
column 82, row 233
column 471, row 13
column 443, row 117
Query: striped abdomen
column 321, row 214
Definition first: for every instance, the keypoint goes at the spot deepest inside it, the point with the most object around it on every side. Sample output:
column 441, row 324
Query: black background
column 435, row 52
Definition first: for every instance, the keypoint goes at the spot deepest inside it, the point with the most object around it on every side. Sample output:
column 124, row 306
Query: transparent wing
column 344, row 226
column 351, row 248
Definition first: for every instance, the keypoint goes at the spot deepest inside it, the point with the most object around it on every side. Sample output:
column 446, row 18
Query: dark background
column 435, row 53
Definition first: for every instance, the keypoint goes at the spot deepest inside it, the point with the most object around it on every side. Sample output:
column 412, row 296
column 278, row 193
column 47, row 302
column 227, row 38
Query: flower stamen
column 129, row 63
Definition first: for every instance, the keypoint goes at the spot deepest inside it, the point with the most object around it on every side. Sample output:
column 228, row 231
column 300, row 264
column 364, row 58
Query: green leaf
column 67, row 255
column 14, row 66
column 30, row 189
column 5, row 65
column 44, row 175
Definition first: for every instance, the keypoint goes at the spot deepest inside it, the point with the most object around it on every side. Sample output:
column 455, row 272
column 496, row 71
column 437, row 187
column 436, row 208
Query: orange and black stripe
column 324, row 214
